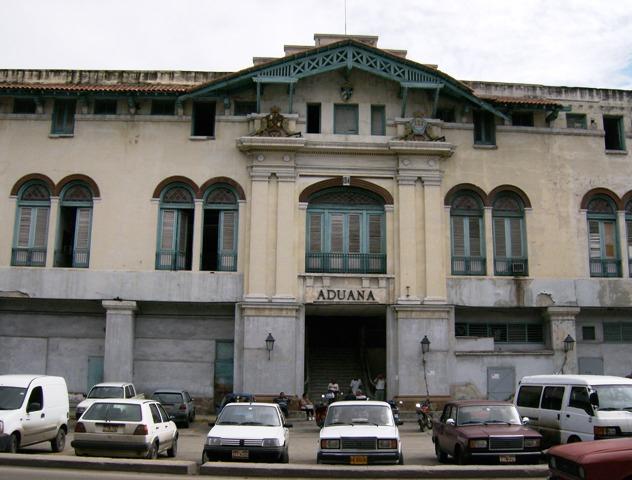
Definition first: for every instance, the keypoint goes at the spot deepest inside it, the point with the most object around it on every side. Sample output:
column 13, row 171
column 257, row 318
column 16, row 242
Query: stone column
column 434, row 239
column 562, row 323
column 118, row 361
column 258, row 255
column 408, row 290
column 286, row 273
column 198, row 224
column 51, row 241
column 489, row 240
column 625, row 266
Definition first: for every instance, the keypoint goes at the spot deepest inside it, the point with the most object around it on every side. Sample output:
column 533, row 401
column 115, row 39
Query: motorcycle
column 424, row 417
column 320, row 410
column 395, row 410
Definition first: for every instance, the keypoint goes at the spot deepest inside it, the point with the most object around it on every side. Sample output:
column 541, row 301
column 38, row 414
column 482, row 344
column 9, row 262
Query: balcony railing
column 511, row 266
column 75, row 258
column 345, row 262
column 227, row 262
column 602, row 267
column 171, row 261
column 468, row 266
column 28, row 257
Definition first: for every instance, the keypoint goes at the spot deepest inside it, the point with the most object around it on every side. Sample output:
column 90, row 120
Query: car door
column 168, row 427
column 550, row 414
column 576, row 418
column 35, row 423
column 157, row 429
column 445, row 435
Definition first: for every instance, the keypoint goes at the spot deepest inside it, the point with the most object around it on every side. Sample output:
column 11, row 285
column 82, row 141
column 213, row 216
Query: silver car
column 178, row 404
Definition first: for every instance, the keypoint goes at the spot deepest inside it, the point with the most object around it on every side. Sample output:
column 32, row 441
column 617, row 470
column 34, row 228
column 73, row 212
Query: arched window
column 175, row 228
column 603, row 244
column 219, row 236
column 75, row 225
column 31, row 226
column 345, row 232
column 468, row 234
column 510, row 236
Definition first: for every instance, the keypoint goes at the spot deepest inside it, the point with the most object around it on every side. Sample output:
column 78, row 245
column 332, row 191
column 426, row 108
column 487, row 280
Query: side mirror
column 33, row 407
column 451, row 422
column 594, row 400
column 525, row 420
column 84, row 395
column 172, row 417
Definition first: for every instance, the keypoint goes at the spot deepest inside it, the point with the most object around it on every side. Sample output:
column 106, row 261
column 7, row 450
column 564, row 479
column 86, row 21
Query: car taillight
column 80, row 428
column 141, row 430
column 183, row 407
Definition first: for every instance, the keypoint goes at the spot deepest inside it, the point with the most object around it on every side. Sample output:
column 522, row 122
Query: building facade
column 343, row 201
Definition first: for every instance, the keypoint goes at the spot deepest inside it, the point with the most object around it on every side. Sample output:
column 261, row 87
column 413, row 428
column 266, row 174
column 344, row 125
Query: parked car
column 106, row 390
column 360, row 433
column 234, row 398
column 593, row 460
column 125, row 428
column 178, row 404
column 570, row 408
column 470, row 430
column 248, row 431
column 33, row 409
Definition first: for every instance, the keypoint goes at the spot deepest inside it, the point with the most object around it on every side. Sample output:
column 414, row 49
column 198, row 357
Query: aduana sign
column 345, row 295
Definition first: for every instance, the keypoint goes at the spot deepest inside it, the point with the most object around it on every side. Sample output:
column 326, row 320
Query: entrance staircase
column 326, row 362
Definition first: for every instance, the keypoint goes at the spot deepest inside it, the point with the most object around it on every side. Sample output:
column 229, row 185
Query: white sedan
column 360, row 433
column 126, row 428
column 248, row 431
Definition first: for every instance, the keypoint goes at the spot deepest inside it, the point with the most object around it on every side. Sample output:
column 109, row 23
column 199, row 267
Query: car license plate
column 507, row 459
column 110, row 428
column 358, row 460
column 240, row 454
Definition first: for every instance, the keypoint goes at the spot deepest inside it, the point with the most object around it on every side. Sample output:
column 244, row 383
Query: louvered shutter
column 167, row 230
column 609, row 240
column 499, row 237
column 24, row 228
column 354, row 233
column 82, row 228
column 628, row 230
column 315, row 233
column 515, row 228
column 41, row 228
column 375, row 233
column 594, row 239
column 475, row 237
column 337, row 231
column 458, row 236
column 228, row 231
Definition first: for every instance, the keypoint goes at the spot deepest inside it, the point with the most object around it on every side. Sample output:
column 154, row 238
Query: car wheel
column 285, row 456
column 14, row 444
column 460, row 456
column 441, row 456
column 205, row 458
column 58, row 443
column 401, row 459
column 574, row 439
column 173, row 451
column 152, row 452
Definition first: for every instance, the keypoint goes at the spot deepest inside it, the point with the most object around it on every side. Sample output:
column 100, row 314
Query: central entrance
column 341, row 343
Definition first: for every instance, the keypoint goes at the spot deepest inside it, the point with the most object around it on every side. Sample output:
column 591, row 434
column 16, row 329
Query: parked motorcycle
column 320, row 410
column 395, row 410
column 424, row 417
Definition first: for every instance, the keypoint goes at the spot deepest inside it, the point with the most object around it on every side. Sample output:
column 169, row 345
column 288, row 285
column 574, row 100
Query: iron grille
column 369, row 443
column 236, row 442
column 506, row 443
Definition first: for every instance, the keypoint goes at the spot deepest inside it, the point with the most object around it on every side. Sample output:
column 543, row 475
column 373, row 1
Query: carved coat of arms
column 346, row 91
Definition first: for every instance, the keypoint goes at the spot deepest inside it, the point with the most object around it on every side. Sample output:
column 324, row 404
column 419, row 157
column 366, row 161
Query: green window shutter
column 168, row 222
column 40, row 237
column 474, row 225
column 375, row 233
column 24, row 228
column 611, row 332
column 609, row 240
column 628, row 230
column 458, row 236
column 515, row 229
column 346, row 119
column 500, row 237
column 82, row 228
column 228, row 231
column 594, row 241
column 354, row 233
column 315, row 233
column 337, row 233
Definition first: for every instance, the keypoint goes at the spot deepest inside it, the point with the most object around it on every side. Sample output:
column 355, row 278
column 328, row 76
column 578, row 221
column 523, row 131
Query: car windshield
column 487, row 414
column 113, row 412
column 359, row 414
column 168, row 397
column 106, row 392
column 11, row 398
column 235, row 414
column 614, row 397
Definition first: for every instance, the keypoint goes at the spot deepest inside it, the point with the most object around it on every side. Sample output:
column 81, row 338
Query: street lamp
column 569, row 343
column 425, row 345
column 425, row 348
column 269, row 344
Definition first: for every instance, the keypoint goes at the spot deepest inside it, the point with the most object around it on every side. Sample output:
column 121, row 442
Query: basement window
column 614, row 138
column 576, row 120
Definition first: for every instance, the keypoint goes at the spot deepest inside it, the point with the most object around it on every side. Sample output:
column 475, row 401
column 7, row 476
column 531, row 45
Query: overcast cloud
column 552, row 42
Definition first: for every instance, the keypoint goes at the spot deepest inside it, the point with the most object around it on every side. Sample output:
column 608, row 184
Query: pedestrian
column 350, row 395
column 380, row 386
column 356, row 384
column 306, row 404
column 334, row 388
column 284, row 403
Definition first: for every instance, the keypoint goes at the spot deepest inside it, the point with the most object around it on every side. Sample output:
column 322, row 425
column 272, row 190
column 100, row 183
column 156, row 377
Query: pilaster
column 625, row 266
column 408, row 289
column 118, row 361
column 562, row 323
column 198, row 224
column 51, row 240
column 286, row 261
column 434, row 259
column 258, row 255
column 489, row 241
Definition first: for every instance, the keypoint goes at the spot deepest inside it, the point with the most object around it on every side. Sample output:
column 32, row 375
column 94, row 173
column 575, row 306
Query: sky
column 586, row 43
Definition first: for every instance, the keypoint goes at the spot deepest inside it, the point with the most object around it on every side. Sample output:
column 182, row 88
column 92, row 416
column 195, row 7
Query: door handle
column 558, row 416
column 568, row 416
column 42, row 415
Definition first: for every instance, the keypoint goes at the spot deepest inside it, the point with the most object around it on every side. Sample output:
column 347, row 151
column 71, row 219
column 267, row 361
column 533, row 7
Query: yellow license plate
column 507, row 459
column 110, row 428
column 240, row 454
column 358, row 460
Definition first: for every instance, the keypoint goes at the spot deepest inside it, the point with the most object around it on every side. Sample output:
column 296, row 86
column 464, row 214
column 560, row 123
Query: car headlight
column 387, row 443
column 1, row 426
column 531, row 442
column 606, row 431
column 329, row 443
column 213, row 441
column 478, row 443
column 271, row 442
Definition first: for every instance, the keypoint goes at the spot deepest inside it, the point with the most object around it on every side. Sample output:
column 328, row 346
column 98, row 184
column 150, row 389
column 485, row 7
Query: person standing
column 355, row 385
column 380, row 386
column 334, row 388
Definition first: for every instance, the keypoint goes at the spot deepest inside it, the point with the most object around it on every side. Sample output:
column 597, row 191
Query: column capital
column 562, row 312
column 408, row 180
column 128, row 305
column 432, row 179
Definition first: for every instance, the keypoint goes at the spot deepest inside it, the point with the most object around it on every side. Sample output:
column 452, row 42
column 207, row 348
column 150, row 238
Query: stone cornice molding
column 120, row 305
column 409, row 180
column 562, row 313
column 432, row 179
column 439, row 149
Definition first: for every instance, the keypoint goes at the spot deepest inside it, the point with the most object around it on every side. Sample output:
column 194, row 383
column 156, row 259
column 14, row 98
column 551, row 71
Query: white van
column 573, row 408
column 33, row 409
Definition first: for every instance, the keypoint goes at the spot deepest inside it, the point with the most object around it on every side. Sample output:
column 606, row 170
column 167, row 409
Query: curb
column 181, row 467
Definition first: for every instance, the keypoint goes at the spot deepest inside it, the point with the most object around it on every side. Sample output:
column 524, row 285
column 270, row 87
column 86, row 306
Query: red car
column 478, row 430
column 595, row 460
